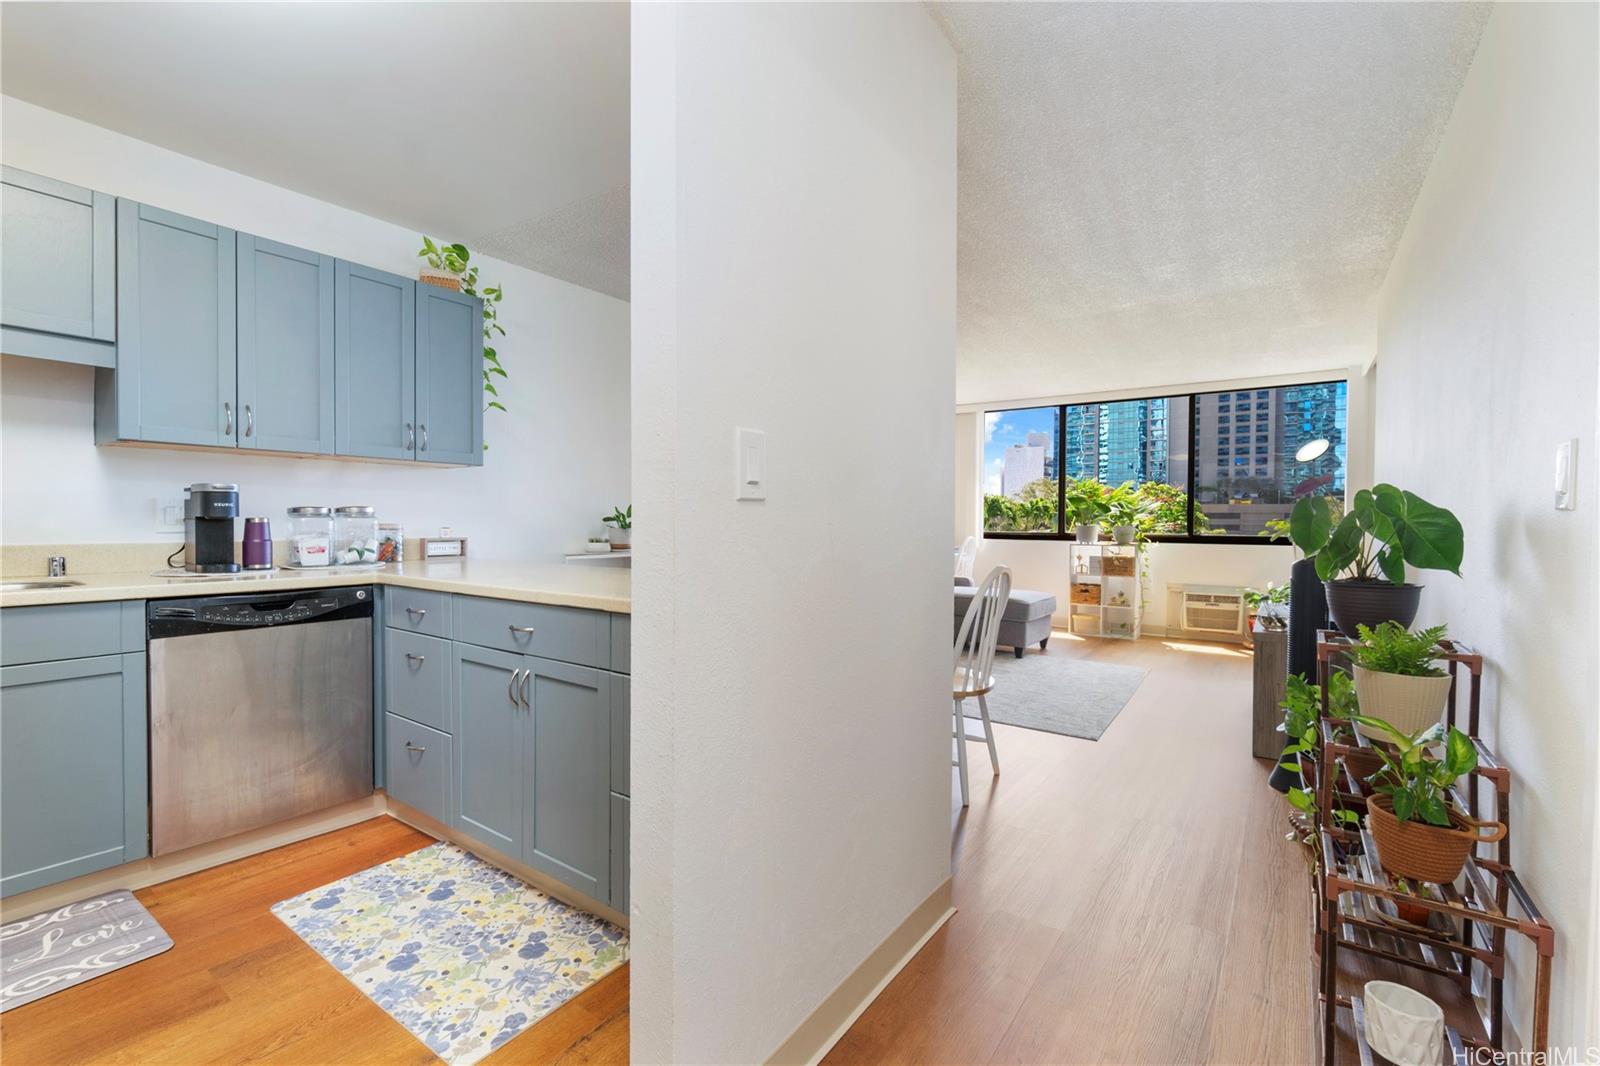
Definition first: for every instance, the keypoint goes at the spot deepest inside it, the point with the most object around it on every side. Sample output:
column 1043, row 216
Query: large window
column 1255, row 452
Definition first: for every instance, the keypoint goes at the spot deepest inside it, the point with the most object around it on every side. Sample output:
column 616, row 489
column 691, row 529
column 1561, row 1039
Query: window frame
column 1062, row 533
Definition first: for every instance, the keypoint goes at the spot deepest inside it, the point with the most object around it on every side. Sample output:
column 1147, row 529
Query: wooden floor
column 238, row 986
column 1128, row 900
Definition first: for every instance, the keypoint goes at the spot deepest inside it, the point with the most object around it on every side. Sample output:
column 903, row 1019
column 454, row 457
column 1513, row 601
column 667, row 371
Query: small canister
column 310, row 536
column 355, row 535
column 257, row 544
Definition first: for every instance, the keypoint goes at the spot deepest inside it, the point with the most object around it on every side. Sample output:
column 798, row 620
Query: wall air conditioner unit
column 1213, row 609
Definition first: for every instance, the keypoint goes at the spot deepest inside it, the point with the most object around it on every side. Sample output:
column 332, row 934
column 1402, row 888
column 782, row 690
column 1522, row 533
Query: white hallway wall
column 794, row 204
column 555, row 463
column 1487, row 354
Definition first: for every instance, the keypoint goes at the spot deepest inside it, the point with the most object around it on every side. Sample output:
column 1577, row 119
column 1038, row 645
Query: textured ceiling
column 496, row 124
column 1153, row 194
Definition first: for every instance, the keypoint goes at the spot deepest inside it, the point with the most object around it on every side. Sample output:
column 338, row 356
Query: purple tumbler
column 257, row 544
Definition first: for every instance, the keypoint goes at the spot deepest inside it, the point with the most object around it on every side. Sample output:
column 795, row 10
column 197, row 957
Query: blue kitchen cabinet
column 176, row 378
column 567, row 745
column 489, row 746
column 74, row 786
column 285, row 347
column 58, row 255
column 619, row 852
column 375, row 364
column 449, row 376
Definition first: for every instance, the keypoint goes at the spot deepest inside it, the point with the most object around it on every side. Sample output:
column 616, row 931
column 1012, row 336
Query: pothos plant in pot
column 1087, row 506
column 449, row 266
column 1125, row 513
column 1361, row 558
column 1419, row 832
column 1298, row 768
column 1396, row 678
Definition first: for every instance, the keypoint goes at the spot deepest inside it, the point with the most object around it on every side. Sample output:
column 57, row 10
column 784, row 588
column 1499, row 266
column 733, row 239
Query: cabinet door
column 73, row 781
column 568, row 747
column 449, row 376
column 58, row 243
column 619, row 852
column 489, row 747
column 375, row 367
column 285, row 347
column 176, row 369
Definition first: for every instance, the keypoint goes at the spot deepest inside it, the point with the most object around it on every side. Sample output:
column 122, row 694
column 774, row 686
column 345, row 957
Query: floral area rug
column 461, row 953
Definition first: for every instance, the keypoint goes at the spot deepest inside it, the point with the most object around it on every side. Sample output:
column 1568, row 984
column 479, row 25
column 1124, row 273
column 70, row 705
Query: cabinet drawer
column 566, row 634
column 620, row 697
column 622, row 643
column 420, row 765
column 418, row 611
column 417, row 678
column 70, row 631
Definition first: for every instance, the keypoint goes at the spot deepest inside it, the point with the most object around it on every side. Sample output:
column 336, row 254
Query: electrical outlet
column 168, row 513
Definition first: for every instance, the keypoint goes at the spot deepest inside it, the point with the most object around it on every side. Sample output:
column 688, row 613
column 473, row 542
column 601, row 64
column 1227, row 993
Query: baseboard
column 815, row 1036
column 143, row 873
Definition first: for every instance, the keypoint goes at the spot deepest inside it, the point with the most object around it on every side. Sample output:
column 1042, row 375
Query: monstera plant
column 1362, row 556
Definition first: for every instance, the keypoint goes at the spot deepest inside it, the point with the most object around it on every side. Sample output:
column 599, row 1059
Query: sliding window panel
column 1142, row 443
column 1021, row 483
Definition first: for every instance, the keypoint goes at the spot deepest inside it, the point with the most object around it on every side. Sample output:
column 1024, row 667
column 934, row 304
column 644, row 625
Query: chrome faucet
column 58, row 566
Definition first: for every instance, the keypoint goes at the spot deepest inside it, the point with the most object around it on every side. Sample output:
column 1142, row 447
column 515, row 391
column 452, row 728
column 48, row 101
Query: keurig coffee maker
column 208, row 514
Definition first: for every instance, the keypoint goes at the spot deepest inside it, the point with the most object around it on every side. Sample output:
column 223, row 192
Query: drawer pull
column 414, row 657
column 412, row 747
column 418, row 612
column 521, row 629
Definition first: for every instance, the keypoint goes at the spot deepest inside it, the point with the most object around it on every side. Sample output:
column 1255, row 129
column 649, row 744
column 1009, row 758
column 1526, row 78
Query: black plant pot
column 1283, row 778
column 1353, row 602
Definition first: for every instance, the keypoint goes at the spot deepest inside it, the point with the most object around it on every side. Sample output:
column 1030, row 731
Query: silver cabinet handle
column 249, row 420
column 521, row 629
column 417, row 612
column 414, row 657
column 527, row 675
column 227, row 414
column 424, row 430
column 511, row 689
column 412, row 747
column 411, row 438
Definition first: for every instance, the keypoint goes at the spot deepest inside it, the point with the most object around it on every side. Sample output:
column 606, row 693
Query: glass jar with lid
column 310, row 536
column 355, row 535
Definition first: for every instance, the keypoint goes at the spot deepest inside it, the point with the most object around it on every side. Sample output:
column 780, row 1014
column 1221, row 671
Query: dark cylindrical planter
column 1282, row 778
column 1308, row 612
column 1371, row 603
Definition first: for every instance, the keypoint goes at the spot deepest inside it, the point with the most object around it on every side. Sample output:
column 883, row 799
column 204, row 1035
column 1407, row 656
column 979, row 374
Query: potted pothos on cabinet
column 1361, row 558
column 1396, row 678
column 1420, row 834
column 1088, row 505
column 1125, row 513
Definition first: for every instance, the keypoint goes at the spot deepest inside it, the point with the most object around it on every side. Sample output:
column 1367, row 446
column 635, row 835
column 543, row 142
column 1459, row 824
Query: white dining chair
column 973, row 676
column 966, row 556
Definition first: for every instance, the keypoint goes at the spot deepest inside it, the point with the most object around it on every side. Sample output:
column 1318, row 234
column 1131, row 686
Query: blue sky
column 1001, row 428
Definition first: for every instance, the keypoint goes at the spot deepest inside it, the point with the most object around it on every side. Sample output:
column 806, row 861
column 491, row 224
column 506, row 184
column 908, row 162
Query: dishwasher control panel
column 212, row 614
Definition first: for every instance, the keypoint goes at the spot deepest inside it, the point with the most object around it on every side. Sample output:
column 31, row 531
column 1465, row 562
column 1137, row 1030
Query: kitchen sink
column 27, row 586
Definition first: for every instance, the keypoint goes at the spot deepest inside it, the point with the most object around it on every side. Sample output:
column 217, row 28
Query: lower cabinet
column 420, row 767
column 619, row 853
column 489, row 747
column 74, row 779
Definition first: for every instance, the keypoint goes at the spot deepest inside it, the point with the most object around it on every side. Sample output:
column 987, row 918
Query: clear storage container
column 310, row 536
column 355, row 535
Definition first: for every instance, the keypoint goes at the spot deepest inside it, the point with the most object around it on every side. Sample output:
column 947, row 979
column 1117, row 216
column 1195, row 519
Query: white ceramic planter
column 1087, row 534
column 1403, row 1025
column 1410, row 704
column 597, row 548
column 1124, row 534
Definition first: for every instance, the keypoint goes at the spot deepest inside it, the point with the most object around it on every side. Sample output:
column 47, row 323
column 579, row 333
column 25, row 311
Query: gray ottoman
column 1026, row 619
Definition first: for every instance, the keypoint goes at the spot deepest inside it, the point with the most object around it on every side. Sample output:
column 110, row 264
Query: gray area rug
column 67, row 946
column 1058, row 694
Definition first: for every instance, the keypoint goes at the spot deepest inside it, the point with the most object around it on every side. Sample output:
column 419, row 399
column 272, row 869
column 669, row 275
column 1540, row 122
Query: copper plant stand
column 1465, row 936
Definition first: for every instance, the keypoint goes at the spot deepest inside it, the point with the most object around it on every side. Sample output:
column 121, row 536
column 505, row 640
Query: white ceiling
column 1154, row 194
column 502, row 125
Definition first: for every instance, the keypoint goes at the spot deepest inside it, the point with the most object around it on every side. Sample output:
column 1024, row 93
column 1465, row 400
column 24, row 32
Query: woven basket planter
column 1410, row 704
column 1422, row 852
column 1117, row 565
column 1086, row 593
column 441, row 278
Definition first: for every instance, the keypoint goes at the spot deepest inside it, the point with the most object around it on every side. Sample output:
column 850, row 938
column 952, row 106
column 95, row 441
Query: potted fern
column 1396, row 678
column 1420, row 835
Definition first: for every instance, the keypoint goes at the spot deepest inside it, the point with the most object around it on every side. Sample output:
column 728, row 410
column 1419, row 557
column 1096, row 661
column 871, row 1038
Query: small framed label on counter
column 444, row 547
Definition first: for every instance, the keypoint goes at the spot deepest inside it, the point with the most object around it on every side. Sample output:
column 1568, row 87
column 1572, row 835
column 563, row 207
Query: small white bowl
column 1403, row 1025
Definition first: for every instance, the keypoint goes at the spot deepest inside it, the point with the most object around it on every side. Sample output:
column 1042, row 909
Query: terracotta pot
column 1410, row 704
column 1415, row 913
column 1371, row 603
column 1421, row 852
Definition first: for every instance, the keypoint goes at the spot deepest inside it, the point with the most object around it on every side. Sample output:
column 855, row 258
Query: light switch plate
column 751, row 448
column 1567, row 475
column 169, row 514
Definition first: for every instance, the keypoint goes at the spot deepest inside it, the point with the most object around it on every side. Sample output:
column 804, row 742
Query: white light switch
column 752, row 448
column 1567, row 475
column 169, row 514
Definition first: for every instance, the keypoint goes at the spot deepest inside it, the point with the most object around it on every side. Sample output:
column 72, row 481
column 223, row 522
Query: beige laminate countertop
column 599, row 588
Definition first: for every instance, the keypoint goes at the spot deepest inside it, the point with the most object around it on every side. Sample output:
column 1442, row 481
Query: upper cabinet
column 176, row 377
column 286, row 349
column 449, row 376
column 58, row 247
column 375, row 341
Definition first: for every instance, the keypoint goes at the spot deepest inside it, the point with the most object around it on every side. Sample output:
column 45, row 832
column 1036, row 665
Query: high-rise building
column 1023, row 463
column 1246, row 472
column 1116, row 442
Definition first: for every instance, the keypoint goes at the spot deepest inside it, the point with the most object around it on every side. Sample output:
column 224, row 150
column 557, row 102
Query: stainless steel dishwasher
column 260, row 710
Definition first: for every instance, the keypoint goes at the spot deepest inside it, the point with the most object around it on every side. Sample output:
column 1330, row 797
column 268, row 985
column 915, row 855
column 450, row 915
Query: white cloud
column 991, row 477
column 990, row 419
